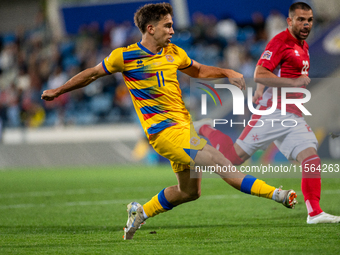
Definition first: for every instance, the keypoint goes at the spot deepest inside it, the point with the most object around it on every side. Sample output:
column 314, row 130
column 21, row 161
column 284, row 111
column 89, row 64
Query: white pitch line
column 70, row 192
column 52, row 193
column 101, row 191
column 126, row 201
column 108, row 202
column 78, row 203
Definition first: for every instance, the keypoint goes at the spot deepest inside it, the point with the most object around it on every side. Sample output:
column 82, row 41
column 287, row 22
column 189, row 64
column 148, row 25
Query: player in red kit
column 284, row 63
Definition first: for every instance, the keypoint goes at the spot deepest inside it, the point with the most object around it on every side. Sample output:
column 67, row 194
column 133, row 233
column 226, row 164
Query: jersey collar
column 147, row 51
column 294, row 39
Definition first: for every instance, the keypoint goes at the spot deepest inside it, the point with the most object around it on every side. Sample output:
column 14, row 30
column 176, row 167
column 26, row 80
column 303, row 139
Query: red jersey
column 286, row 57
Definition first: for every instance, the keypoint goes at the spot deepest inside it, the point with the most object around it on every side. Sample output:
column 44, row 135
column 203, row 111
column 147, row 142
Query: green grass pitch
column 83, row 211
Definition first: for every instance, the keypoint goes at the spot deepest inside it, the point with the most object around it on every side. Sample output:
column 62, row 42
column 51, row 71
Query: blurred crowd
column 32, row 60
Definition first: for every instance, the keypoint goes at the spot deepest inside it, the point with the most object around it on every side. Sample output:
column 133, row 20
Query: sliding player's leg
column 239, row 152
column 248, row 184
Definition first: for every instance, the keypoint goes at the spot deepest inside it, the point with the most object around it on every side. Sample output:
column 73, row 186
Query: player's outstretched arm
column 264, row 76
column 198, row 70
column 80, row 80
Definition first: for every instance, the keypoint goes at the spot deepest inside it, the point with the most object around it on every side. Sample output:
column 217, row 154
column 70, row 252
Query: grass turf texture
column 83, row 211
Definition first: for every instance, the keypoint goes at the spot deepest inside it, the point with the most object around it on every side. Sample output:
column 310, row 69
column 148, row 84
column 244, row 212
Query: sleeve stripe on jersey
column 187, row 66
column 104, row 67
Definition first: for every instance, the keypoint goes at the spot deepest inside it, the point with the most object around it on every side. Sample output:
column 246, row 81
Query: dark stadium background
column 43, row 43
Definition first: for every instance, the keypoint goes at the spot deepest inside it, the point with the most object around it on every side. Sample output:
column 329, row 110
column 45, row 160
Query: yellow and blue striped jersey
column 153, row 84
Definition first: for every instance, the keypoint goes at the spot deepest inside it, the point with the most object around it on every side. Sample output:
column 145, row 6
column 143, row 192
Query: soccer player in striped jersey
column 284, row 63
column 149, row 68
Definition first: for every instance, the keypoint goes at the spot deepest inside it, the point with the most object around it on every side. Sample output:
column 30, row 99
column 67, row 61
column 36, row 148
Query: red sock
column 311, row 184
column 221, row 142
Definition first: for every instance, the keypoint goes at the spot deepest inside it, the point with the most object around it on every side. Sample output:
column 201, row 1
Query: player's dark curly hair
column 150, row 13
column 298, row 5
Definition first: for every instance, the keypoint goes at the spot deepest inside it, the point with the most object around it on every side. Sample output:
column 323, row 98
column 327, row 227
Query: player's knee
column 191, row 196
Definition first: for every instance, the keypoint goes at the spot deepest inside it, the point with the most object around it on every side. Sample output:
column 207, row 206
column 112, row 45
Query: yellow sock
column 153, row 207
column 261, row 189
column 157, row 205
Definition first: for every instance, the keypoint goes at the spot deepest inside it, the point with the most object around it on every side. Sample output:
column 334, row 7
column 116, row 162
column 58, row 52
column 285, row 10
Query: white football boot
column 323, row 218
column 286, row 197
column 135, row 219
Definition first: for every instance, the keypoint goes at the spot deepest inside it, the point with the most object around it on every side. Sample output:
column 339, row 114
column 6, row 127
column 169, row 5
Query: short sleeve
column 185, row 60
column 272, row 55
column 114, row 62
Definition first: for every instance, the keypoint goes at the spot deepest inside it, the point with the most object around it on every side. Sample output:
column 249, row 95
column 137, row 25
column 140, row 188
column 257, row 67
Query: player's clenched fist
column 49, row 95
column 303, row 80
